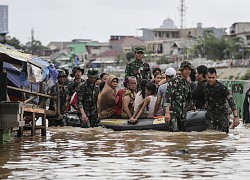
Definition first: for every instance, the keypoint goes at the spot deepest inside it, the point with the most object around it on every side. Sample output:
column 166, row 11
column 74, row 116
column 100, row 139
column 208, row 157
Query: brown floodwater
column 98, row 153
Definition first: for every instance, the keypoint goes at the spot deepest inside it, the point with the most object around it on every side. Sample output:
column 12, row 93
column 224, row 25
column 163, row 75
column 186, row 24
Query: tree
column 213, row 48
column 34, row 47
column 234, row 45
column 129, row 56
column 14, row 42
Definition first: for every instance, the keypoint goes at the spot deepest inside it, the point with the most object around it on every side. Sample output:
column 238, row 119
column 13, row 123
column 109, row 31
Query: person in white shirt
column 170, row 72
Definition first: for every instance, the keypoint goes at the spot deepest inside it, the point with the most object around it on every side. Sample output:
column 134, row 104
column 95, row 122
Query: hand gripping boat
column 196, row 121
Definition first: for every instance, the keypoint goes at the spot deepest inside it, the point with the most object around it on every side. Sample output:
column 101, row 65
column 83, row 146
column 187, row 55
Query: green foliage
column 212, row 48
column 162, row 60
column 129, row 56
column 14, row 42
column 34, row 46
column 30, row 47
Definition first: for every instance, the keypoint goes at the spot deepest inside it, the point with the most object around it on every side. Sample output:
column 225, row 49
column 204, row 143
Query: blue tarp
column 12, row 74
column 47, row 69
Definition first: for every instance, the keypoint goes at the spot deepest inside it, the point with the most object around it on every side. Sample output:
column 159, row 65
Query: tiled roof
column 128, row 41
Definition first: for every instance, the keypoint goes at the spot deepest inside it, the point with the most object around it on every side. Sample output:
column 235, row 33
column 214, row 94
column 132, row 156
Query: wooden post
column 20, row 132
column 43, row 129
column 33, row 128
column 3, row 83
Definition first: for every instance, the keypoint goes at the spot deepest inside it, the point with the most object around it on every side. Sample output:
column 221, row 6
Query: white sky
column 64, row 20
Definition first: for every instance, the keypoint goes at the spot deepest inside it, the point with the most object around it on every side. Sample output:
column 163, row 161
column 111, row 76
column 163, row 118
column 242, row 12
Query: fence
column 238, row 89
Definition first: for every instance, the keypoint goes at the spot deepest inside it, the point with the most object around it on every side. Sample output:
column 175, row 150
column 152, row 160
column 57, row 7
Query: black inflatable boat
column 196, row 121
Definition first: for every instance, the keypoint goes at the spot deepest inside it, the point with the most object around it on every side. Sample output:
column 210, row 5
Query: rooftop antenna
column 182, row 10
column 32, row 40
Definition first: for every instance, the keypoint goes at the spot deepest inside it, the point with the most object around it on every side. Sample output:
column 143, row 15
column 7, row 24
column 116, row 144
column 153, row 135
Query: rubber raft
column 196, row 121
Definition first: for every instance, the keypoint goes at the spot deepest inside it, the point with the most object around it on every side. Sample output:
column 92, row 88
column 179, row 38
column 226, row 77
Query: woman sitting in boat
column 107, row 97
column 129, row 98
column 148, row 103
column 118, row 105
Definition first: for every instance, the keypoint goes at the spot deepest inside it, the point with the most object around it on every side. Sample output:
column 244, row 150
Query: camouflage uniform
column 138, row 69
column 73, row 86
column 63, row 93
column 178, row 99
column 87, row 95
column 216, row 98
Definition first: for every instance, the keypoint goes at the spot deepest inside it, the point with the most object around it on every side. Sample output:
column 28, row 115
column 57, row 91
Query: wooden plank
column 29, row 92
column 50, row 112
column 34, row 110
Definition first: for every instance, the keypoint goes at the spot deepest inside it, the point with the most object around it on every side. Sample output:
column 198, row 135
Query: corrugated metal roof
column 13, row 56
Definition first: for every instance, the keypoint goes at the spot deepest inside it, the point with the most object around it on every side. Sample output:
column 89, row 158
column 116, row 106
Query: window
column 248, row 38
column 167, row 35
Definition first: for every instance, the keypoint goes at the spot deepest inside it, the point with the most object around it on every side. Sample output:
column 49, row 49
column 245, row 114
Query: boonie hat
column 185, row 64
column 74, row 71
column 170, row 71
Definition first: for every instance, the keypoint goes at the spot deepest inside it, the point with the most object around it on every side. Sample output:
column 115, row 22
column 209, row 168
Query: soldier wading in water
column 179, row 98
column 87, row 100
column 216, row 97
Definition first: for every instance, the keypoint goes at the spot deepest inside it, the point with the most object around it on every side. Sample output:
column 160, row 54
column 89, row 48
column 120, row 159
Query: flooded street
column 98, row 153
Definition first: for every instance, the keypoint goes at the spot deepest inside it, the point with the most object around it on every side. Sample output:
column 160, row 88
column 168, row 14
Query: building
column 125, row 44
column 3, row 22
column 169, row 40
column 241, row 29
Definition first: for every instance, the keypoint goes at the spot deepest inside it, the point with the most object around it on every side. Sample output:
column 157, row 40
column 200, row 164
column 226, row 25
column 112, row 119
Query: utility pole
column 182, row 10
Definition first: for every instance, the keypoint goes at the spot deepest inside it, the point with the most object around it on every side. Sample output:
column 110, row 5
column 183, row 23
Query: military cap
column 92, row 72
column 185, row 64
column 61, row 73
column 74, row 71
column 139, row 49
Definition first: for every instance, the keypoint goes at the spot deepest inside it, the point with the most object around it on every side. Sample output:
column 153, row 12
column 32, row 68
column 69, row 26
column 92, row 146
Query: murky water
column 75, row 153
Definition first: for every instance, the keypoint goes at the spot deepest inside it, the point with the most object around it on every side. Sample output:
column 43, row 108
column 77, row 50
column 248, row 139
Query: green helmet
column 61, row 73
column 185, row 64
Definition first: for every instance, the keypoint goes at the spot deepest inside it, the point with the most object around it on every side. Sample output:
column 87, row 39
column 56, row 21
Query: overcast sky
column 64, row 20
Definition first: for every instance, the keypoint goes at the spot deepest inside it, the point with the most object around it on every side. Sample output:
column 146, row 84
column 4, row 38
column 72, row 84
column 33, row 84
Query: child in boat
column 140, row 96
column 148, row 103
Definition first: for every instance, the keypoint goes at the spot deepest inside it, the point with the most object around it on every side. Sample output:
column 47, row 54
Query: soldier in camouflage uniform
column 77, row 73
column 87, row 100
column 216, row 97
column 179, row 98
column 137, row 67
column 63, row 93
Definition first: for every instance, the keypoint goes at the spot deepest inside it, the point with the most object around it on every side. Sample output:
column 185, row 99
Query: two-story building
column 169, row 40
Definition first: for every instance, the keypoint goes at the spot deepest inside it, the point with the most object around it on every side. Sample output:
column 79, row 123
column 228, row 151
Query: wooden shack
column 15, row 111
